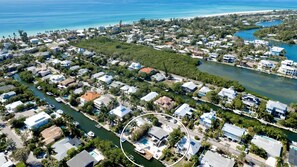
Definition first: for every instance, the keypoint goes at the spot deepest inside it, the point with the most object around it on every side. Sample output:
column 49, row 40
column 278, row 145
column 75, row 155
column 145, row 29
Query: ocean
column 35, row 16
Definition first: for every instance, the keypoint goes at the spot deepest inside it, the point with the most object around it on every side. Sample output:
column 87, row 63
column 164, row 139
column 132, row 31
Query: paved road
column 11, row 135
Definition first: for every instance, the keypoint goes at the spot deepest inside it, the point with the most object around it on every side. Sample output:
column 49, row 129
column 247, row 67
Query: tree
column 213, row 97
column 237, row 103
column 175, row 136
column 21, row 154
column 27, row 76
column 258, row 151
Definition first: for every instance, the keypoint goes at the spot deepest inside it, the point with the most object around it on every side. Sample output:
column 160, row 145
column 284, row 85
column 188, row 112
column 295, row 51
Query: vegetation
column 258, row 151
column 140, row 132
column 26, row 76
column 175, row 63
column 175, row 136
column 21, row 154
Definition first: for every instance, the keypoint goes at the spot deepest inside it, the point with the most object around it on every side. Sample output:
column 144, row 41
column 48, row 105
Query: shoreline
column 33, row 33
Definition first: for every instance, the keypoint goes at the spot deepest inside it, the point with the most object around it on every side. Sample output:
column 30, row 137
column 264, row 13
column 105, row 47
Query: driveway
column 12, row 135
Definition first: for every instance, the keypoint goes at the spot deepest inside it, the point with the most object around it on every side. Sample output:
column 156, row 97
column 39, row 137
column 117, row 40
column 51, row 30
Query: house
column 293, row 155
column 233, row 132
column 165, row 103
column 5, row 96
column 34, row 41
column 61, row 147
column 266, row 64
column 4, row 161
column 67, row 82
column 37, row 120
column 277, row 51
column 120, row 111
column 82, row 71
column 129, row 89
column 206, row 119
column 250, row 100
column 97, row 75
column 6, row 88
column 117, row 84
column 51, row 134
column 56, row 78
column 13, row 106
column 288, row 70
column 147, row 70
column 213, row 159
column 271, row 146
column 89, row 96
column 82, row 159
column 228, row 94
column 103, row 100
column 158, row 135
column 188, row 147
column 135, row 66
column 189, row 86
column 106, row 78
column 158, row 77
column 229, row 58
column 277, row 109
column 183, row 110
column 203, row 91
column 150, row 96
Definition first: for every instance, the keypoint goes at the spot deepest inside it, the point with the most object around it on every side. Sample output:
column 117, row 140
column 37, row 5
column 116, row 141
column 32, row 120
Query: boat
column 58, row 99
column 123, row 139
column 39, row 88
column 98, row 126
column 52, row 106
column 141, row 151
column 49, row 93
column 60, row 111
column 75, row 123
column 91, row 134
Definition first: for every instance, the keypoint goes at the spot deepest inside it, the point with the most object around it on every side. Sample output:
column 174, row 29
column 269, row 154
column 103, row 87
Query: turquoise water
column 144, row 141
column 291, row 50
column 37, row 16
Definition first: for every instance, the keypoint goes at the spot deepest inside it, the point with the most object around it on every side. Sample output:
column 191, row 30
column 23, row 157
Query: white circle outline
column 139, row 116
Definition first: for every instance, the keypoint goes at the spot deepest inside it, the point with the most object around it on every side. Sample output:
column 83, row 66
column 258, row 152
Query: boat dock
column 147, row 155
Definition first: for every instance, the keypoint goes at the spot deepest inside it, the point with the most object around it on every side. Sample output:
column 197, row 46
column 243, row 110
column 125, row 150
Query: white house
column 229, row 94
column 12, row 106
column 271, row 146
column 277, row 109
column 37, row 120
column 106, row 78
column 233, row 132
column 213, row 159
column 266, row 64
column 129, row 89
column 5, row 161
column 277, row 51
column 150, row 96
column 189, row 86
column 5, row 96
column 183, row 110
column 203, row 91
column 135, row 66
column 207, row 118
column 56, row 78
column 191, row 147
column 120, row 111
column 288, row 70
column 229, row 58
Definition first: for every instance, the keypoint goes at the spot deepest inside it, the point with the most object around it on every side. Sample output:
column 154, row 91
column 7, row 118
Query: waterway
column 88, row 125
column 274, row 87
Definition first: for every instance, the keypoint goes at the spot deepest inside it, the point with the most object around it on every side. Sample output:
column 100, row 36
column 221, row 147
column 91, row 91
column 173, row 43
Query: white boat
column 75, row 123
column 49, row 93
column 58, row 99
column 141, row 151
column 60, row 111
column 39, row 88
column 91, row 134
column 98, row 126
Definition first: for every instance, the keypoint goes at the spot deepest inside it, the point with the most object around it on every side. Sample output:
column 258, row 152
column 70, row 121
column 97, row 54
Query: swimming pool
column 144, row 141
column 96, row 156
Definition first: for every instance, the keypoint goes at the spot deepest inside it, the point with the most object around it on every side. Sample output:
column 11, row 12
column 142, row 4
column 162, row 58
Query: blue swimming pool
column 144, row 141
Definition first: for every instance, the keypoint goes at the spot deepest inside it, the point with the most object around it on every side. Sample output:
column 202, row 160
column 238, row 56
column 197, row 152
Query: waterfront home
column 135, row 66
column 6, row 88
column 56, row 78
column 120, row 111
column 82, row 159
column 6, row 96
column 89, row 96
column 293, row 155
column 78, row 91
column 34, row 41
column 277, row 51
column 188, row 146
column 129, row 89
column 51, row 134
column 37, row 120
column 149, row 97
column 271, row 146
column 189, row 87
column 213, row 159
column 103, row 100
column 158, row 135
column 229, row 58
column 213, row 55
column 288, row 63
column 277, row 109
column 288, row 70
column 233, row 132
column 97, row 75
column 67, row 82
column 206, row 119
column 165, row 103
column 13, row 106
column 250, row 100
column 147, row 70
column 203, row 91
column 61, row 147
column 106, row 79
column 158, row 77
column 266, row 64
column 228, row 94
column 5, row 161
column 183, row 110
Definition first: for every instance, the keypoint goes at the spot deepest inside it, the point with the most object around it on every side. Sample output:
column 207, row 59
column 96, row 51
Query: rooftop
column 235, row 130
column 90, row 96
column 120, row 111
column 158, row 132
column 212, row 159
column 82, row 159
column 271, row 146
column 150, row 96
column 51, row 134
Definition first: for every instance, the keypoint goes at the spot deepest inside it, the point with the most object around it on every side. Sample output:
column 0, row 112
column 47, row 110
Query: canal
column 88, row 125
column 274, row 87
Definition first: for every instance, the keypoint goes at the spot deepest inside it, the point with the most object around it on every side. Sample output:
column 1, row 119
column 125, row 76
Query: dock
column 147, row 155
